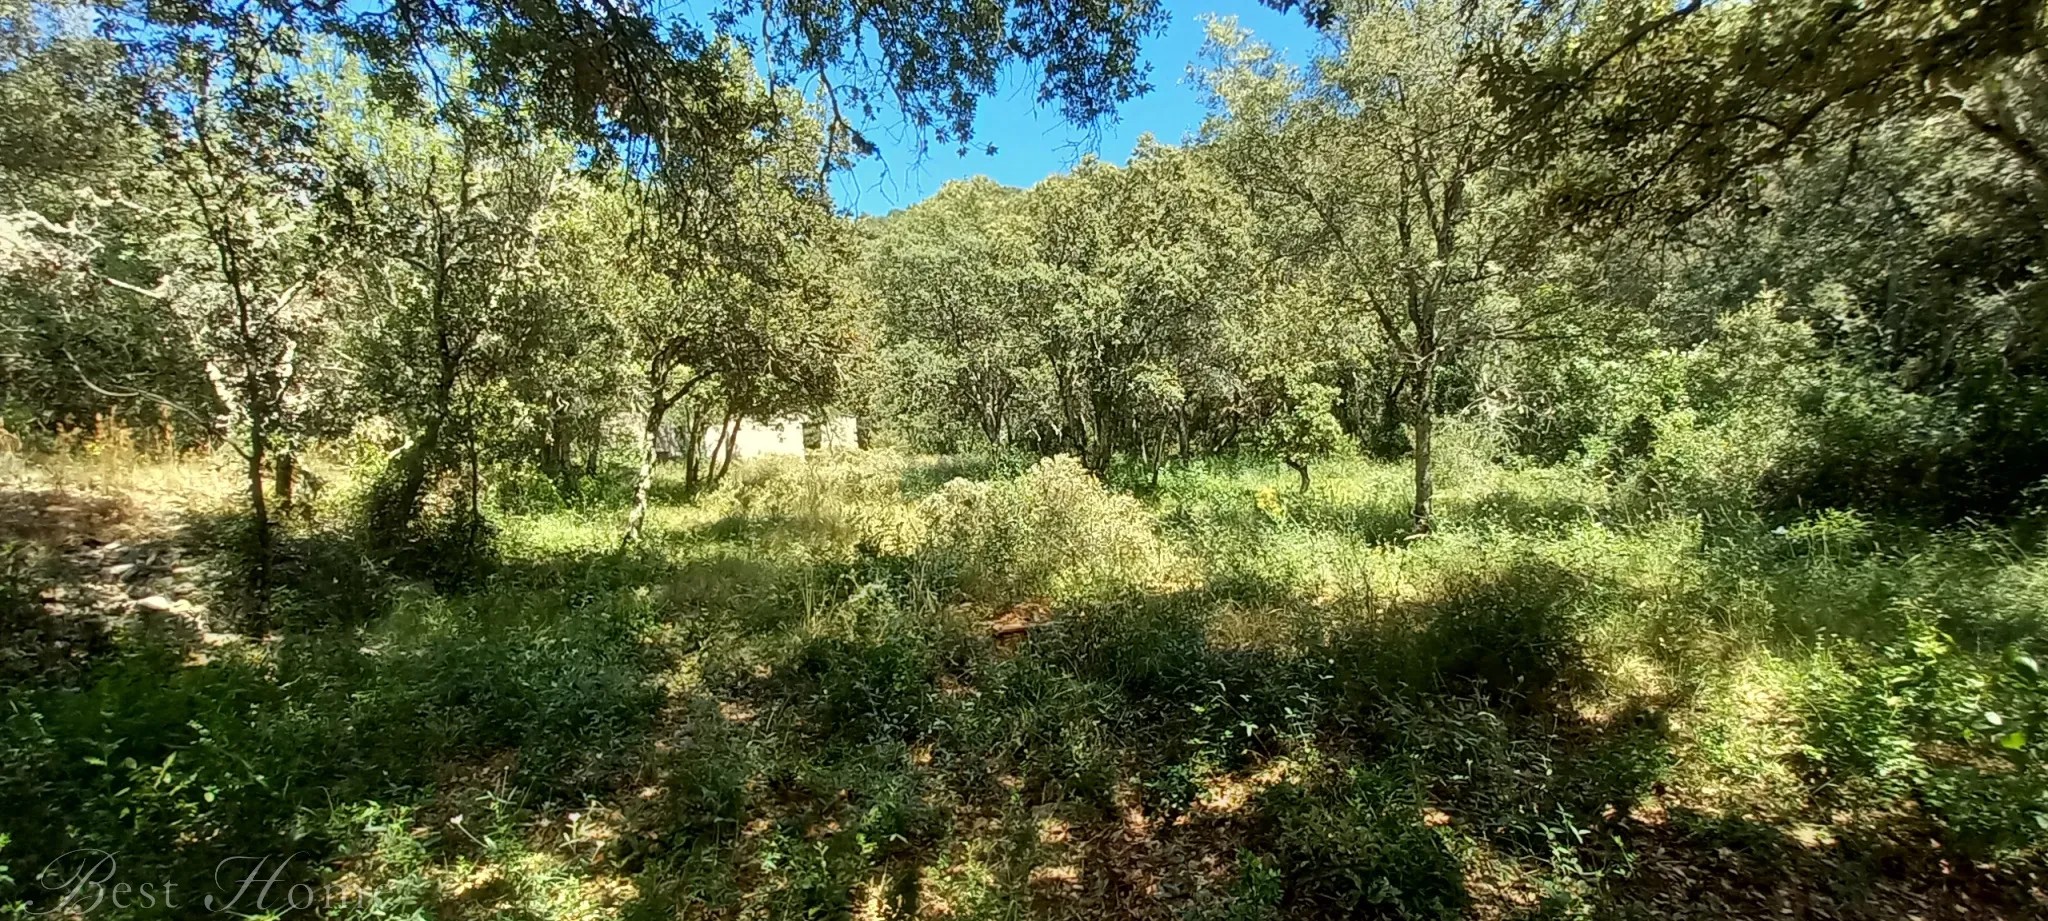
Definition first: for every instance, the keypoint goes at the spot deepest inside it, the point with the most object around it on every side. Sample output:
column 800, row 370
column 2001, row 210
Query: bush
column 1054, row 531
column 1503, row 635
column 1357, row 847
column 521, row 489
column 1762, row 417
column 1254, row 896
column 176, row 766
column 866, row 691
column 1507, row 636
column 1921, row 719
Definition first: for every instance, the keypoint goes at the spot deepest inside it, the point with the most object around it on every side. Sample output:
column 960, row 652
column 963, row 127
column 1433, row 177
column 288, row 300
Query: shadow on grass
column 877, row 753
column 1100, row 763
column 234, row 754
column 1691, row 864
column 58, row 518
column 842, row 737
column 359, row 691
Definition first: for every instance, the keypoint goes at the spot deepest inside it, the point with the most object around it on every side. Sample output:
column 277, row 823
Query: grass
column 871, row 685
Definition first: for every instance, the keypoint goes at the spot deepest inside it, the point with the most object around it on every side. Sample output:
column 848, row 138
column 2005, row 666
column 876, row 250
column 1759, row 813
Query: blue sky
column 1032, row 144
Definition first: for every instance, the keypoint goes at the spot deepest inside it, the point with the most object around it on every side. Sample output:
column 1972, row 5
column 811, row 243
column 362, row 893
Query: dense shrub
column 176, row 765
column 1762, row 415
column 1920, row 719
column 869, row 690
column 1055, row 530
column 1505, row 635
column 1355, row 846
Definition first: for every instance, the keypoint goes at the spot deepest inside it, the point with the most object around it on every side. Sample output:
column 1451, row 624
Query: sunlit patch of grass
column 561, row 532
column 1740, row 738
column 395, row 863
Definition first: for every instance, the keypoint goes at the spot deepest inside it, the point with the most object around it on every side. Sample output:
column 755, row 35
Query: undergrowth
column 873, row 685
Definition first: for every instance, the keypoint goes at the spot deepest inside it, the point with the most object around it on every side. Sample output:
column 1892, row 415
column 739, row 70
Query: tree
column 638, row 85
column 954, row 276
column 1385, row 168
column 1140, row 264
column 447, row 210
column 1302, row 429
column 251, row 261
column 81, row 260
column 736, row 230
column 1660, row 109
column 573, row 370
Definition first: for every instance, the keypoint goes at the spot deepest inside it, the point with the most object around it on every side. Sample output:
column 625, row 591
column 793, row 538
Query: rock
column 181, row 589
column 119, row 570
column 154, row 603
column 53, row 594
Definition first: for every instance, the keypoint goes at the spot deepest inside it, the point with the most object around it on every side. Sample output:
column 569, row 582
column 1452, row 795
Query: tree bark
column 394, row 513
column 660, row 399
column 558, row 456
column 1300, row 470
column 1158, row 458
column 1180, row 415
column 693, row 450
column 1425, row 437
column 656, row 409
column 287, row 468
column 259, row 513
column 731, row 430
column 1103, row 449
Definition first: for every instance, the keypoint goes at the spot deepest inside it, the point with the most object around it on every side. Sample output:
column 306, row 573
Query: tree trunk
column 259, row 515
column 1103, row 450
column 990, row 418
column 1300, row 470
column 558, row 456
column 1158, row 457
column 394, row 512
column 656, row 409
column 724, row 440
column 1180, row 415
column 1425, row 436
column 693, row 453
column 731, row 430
column 286, row 471
column 473, row 524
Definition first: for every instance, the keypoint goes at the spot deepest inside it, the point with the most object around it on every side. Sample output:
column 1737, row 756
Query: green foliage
column 1921, row 718
column 1354, row 845
column 1053, row 530
column 1504, row 635
column 1304, row 429
column 152, row 752
column 1699, row 387
column 776, row 708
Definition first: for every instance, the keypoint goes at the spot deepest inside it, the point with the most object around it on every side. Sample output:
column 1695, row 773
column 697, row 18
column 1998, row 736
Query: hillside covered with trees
column 1577, row 459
